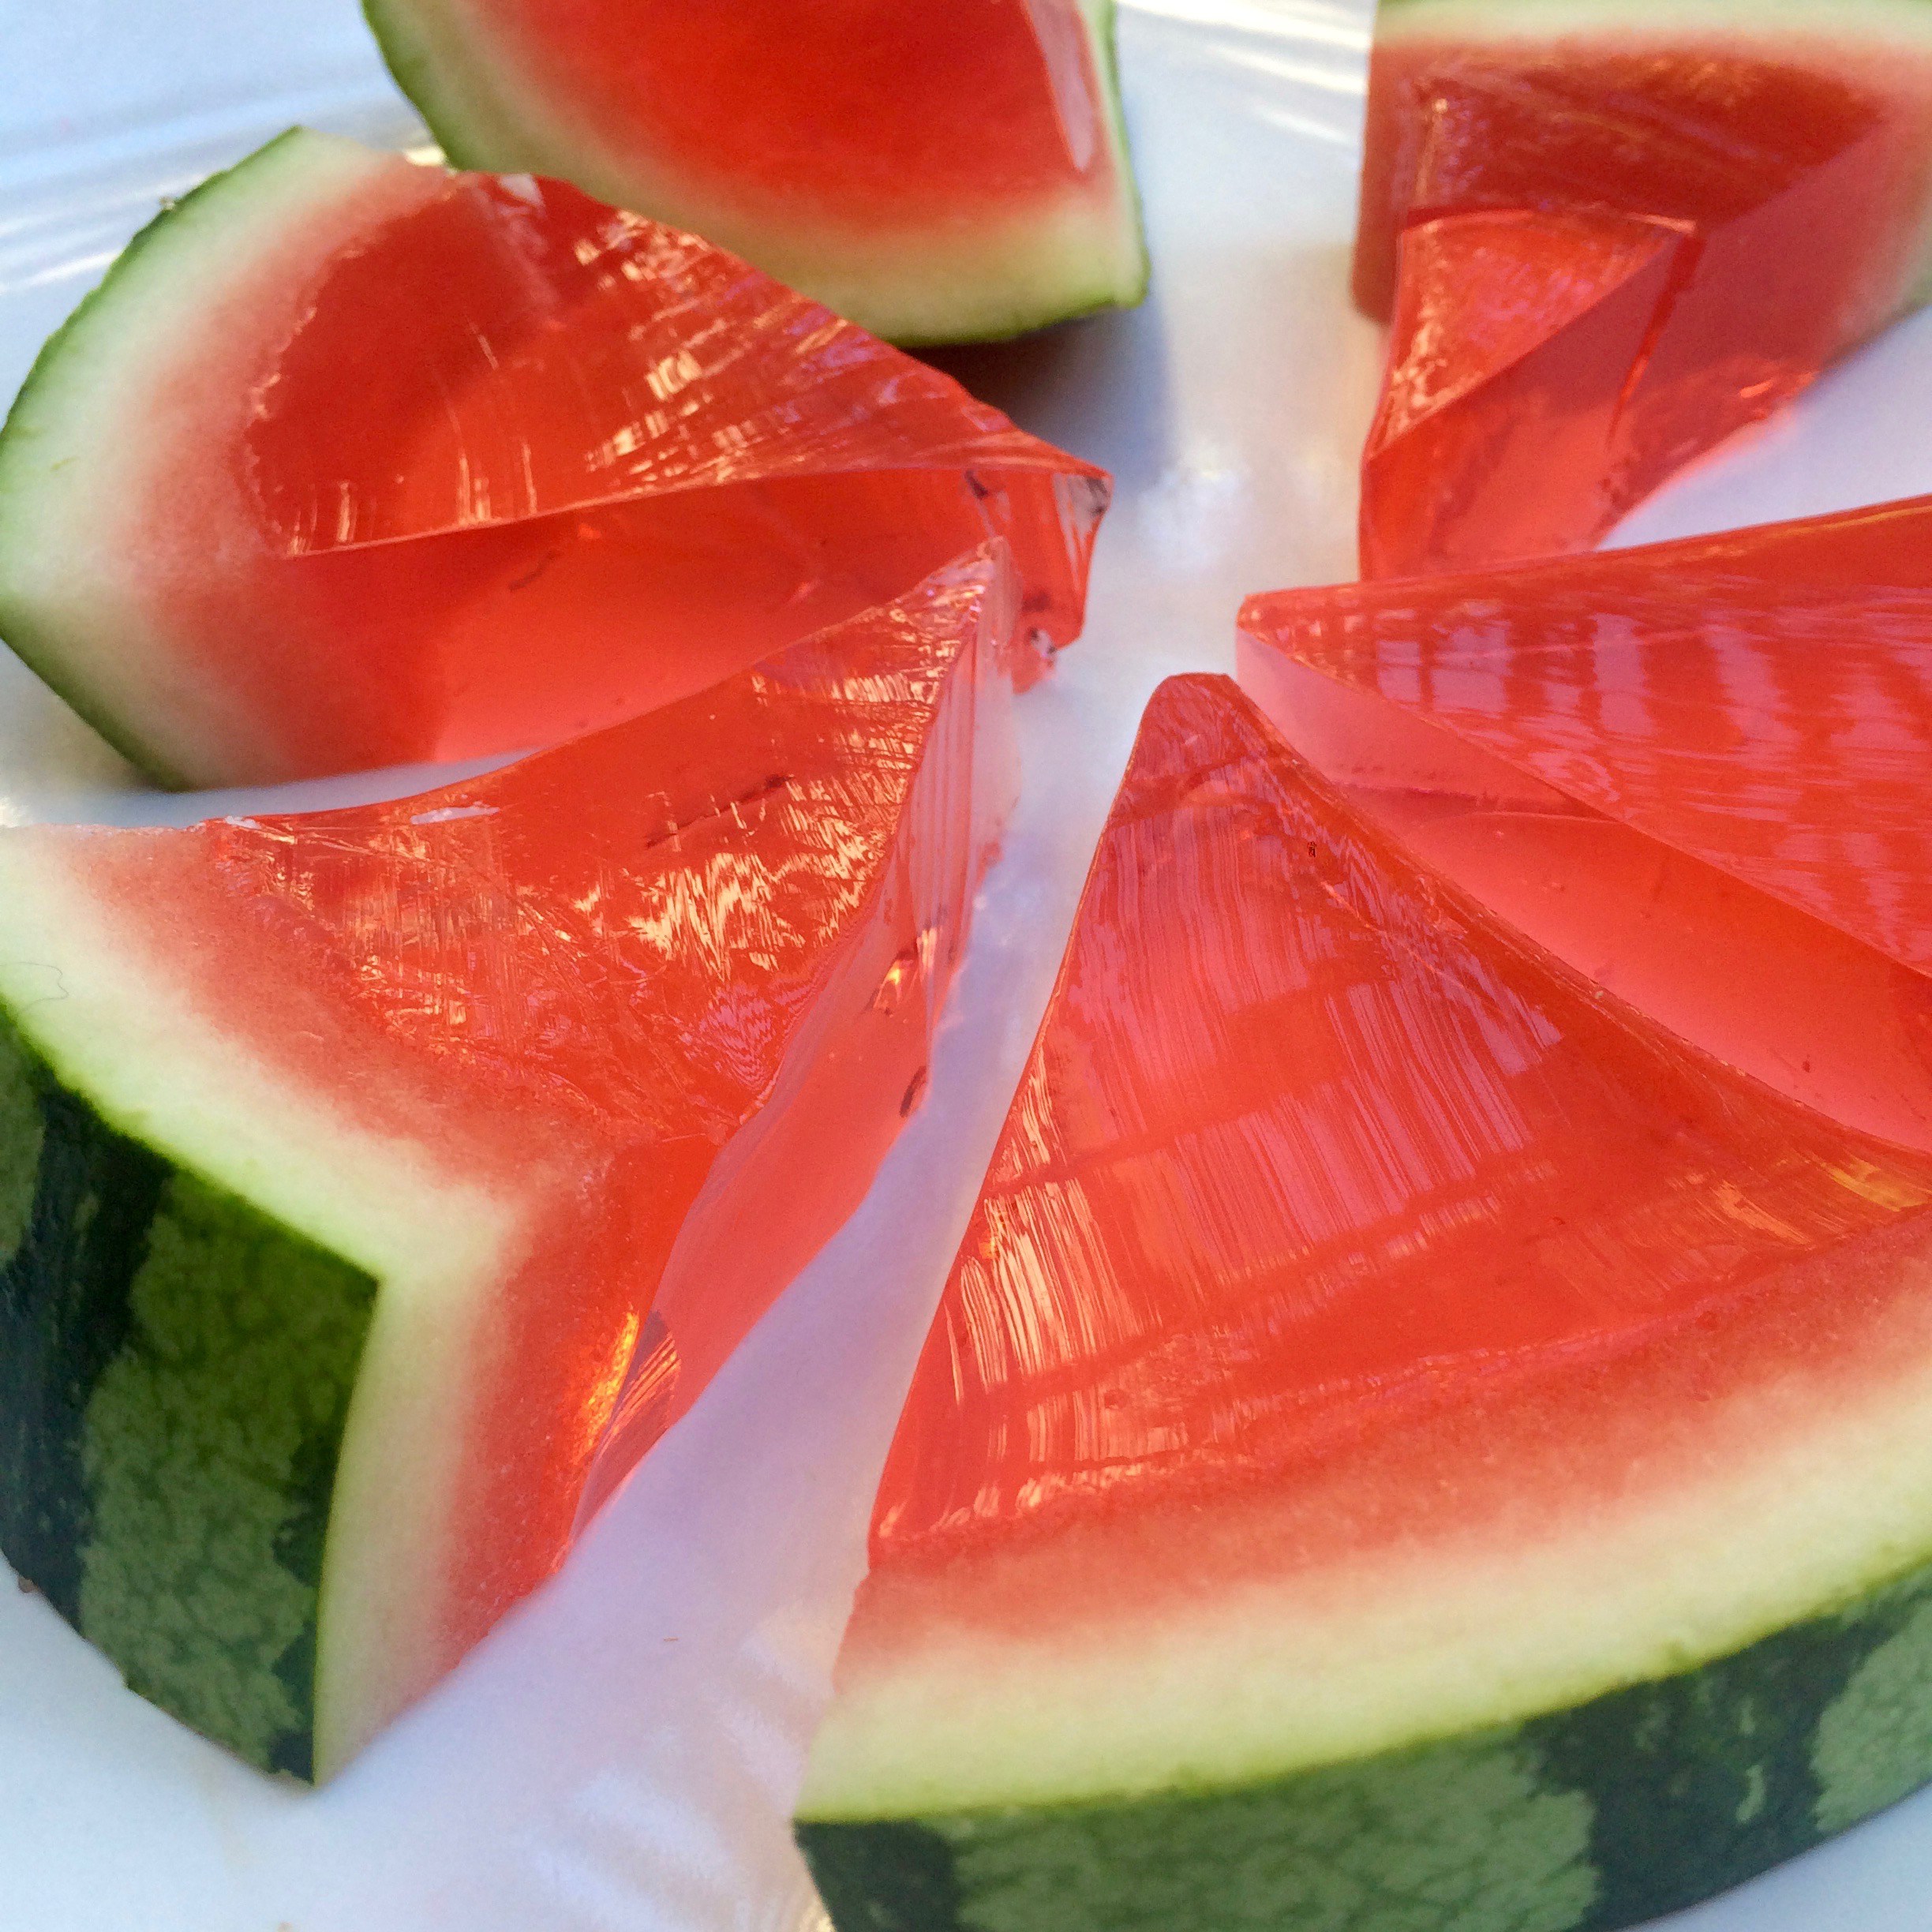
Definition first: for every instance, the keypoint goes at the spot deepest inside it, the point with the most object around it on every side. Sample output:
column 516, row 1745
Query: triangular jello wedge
column 1609, row 234
column 1406, row 1444
column 351, row 462
column 375, row 1181
column 1700, row 771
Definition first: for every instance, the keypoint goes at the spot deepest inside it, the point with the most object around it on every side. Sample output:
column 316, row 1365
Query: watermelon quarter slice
column 351, row 462
column 1609, row 233
column 378, row 1184
column 1405, row 1443
column 1700, row 772
column 940, row 170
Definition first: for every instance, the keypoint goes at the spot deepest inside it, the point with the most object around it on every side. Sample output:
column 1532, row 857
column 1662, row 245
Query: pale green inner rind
column 178, row 1372
column 1629, row 1805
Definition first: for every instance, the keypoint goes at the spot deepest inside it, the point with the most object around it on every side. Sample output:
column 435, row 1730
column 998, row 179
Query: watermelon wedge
column 350, row 462
column 1700, row 772
column 939, row 173
column 1406, row 1444
column 1609, row 233
column 379, row 1183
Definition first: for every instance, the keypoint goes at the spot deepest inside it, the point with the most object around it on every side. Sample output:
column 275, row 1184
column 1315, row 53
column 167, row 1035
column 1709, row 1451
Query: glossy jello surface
column 1316, row 1163
column 1603, row 253
column 439, row 464
column 625, row 442
column 665, row 994
column 1699, row 770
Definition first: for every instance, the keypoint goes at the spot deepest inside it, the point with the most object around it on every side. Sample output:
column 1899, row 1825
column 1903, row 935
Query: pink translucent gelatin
column 522, row 464
column 1601, row 256
column 668, row 991
column 1700, row 771
column 1332, row 1218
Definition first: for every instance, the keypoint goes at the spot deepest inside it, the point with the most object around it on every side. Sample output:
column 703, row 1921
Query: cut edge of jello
column 1686, row 768
column 1196, row 1575
column 1783, row 163
column 624, row 990
column 570, row 422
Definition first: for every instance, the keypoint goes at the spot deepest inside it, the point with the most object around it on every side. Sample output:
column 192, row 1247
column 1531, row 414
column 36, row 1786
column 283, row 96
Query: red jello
column 1702, row 772
column 430, row 465
column 579, row 1062
column 1603, row 248
column 1386, row 1389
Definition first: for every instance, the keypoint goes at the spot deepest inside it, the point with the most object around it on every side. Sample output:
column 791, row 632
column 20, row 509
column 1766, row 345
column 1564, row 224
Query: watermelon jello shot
column 352, row 463
column 1608, row 233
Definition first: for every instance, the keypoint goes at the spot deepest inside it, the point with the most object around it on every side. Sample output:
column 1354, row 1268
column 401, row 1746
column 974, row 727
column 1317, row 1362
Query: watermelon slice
column 1700, row 772
column 938, row 173
column 1610, row 233
column 379, row 1183
column 351, row 462
column 1405, row 1443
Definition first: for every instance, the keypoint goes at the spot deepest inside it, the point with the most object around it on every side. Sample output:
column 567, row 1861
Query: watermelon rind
column 1014, row 275
column 71, row 582
column 1629, row 1712
column 1634, row 1803
column 273, row 1258
column 138, row 1295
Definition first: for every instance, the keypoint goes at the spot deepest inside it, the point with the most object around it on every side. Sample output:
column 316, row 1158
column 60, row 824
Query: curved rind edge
column 1634, row 1803
column 89, row 333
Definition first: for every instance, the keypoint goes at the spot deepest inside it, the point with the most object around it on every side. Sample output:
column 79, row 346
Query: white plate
column 622, row 1752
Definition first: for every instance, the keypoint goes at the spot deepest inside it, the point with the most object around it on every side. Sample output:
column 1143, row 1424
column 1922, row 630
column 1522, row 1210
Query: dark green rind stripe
column 175, row 1371
column 1598, row 1817
column 80, row 1199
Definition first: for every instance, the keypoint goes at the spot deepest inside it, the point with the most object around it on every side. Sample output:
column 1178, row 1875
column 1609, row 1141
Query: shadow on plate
column 1097, row 387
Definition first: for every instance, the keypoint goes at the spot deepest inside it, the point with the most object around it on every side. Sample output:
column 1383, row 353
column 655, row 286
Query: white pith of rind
column 155, row 1063
column 1057, row 258
column 91, row 433
column 1792, row 1507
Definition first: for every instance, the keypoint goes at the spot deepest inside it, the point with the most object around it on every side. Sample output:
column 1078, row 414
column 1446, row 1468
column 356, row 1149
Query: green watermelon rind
column 1638, row 1803
column 54, row 426
column 1756, row 1629
column 174, row 1386
column 958, row 295
column 64, row 350
column 250, row 1182
column 1572, row 1725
